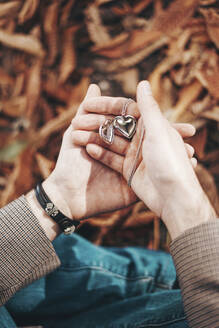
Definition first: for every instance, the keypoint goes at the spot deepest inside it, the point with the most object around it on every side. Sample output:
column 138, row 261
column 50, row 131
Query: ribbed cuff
column 26, row 253
column 196, row 257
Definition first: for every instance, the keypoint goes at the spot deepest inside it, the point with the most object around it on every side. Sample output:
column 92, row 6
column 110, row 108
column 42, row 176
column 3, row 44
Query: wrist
column 50, row 227
column 62, row 198
column 57, row 197
column 187, row 212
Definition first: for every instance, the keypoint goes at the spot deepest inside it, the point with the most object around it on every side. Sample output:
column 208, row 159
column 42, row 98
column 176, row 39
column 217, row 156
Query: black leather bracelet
column 67, row 225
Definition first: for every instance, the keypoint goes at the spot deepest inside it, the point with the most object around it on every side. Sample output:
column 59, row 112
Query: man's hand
column 79, row 185
column 165, row 179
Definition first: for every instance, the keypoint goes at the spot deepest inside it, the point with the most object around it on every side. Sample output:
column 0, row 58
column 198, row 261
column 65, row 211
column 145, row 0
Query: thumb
column 93, row 91
column 148, row 107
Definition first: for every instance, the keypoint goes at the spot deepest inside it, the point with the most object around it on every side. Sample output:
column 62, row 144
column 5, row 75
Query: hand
column 165, row 179
column 80, row 186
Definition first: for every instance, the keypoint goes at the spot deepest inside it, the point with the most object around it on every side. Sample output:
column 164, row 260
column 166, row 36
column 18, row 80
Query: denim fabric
column 6, row 320
column 100, row 287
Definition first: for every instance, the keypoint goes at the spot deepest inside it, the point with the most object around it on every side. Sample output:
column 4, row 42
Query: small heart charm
column 126, row 125
column 106, row 131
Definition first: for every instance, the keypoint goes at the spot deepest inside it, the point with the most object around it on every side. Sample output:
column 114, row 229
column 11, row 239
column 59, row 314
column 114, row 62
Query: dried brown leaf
column 45, row 165
column 128, row 80
column 56, row 124
column 15, row 106
column 47, row 111
column 78, row 92
column 66, row 12
column 97, row 31
column 5, row 78
column 101, row 2
column 156, row 240
column 51, row 31
column 129, row 61
column 207, row 2
column 138, row 39
column 18, row 85
column 167, row 95
column 68, row 61
column 21, row 179
column 208, row 74
column 52, row 88
column 212, row 114
column 141, row 6
column 26, row 43
column 186, row 96
column 33, row 87
column 9, row 8
column 207, row 182
column 212, row 22
column 114, row 42
column 201, row 105
column 28, row 10
column 156, row 77
column 175, row 16
column 124, row 10
column 212, row 162
column 198, row 141
column 139, row 219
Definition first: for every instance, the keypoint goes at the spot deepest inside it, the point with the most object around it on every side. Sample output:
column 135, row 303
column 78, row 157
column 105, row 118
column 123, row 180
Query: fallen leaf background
column 51, row 50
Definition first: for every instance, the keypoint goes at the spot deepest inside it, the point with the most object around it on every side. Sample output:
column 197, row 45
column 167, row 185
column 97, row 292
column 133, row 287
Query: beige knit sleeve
column 26, row 254
column 196, row 257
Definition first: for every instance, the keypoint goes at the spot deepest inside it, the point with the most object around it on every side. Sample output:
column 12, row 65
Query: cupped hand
column 79, row 185
column 164, row 179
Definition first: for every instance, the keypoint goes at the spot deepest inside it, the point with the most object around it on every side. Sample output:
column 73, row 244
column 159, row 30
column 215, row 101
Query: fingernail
column 146, row 86
column 193, row 130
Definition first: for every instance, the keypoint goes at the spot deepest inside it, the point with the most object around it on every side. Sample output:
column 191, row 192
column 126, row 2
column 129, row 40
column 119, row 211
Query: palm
column 106, row 189
column 95, row 187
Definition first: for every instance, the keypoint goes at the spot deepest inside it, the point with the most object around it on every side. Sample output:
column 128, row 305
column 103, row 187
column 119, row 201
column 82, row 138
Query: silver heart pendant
column 106, row 131
column 126, row 125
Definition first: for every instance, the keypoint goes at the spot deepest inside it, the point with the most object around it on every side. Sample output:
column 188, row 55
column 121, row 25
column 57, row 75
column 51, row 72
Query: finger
column 149, row 109
column 82, row 138
column 189, row 149
column 106, row 157
column 89, row 121
column 185, row 130
column 110, row 105
column 194, row 162
column 92, row 91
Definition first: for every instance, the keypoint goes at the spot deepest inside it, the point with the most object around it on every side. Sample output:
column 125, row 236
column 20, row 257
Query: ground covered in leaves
column 51, row 50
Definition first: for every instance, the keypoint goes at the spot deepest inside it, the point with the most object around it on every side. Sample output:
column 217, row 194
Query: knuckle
column 85, row 104
column 75, row 135
column 74, row 123
column 89, row 104
column 124, row 147
column 108, row 159
column 92, row 137
column 100, row 155
column 117, row 104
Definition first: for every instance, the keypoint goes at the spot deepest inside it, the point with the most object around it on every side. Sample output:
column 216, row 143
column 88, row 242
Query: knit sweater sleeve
column 196, row 257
